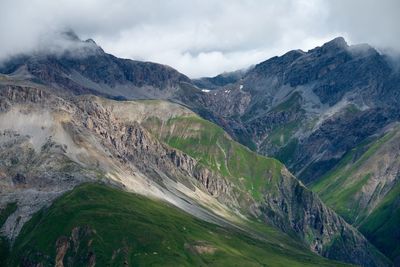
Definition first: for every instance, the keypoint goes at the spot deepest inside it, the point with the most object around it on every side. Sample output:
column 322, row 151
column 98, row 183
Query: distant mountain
column 322, row 113
column 288, row 102
column 219, row 80
column 365, row 189
column 86, row 68
column 313, row 110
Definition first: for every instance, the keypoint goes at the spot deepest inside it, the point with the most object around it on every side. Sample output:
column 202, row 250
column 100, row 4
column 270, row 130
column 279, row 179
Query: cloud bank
column 199, row 38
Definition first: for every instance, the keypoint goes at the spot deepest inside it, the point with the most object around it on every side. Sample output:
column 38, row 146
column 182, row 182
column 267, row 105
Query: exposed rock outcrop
column 69, row 140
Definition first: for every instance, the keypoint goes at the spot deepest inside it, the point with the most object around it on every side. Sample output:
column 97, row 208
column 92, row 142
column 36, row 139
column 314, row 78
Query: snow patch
column 205, row 90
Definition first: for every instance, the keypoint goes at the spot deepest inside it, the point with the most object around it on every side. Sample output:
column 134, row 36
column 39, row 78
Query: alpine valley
column 114, row 162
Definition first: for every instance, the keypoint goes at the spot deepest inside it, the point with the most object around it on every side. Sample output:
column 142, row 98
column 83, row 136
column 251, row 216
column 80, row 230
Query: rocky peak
column 336, row 43
column 83, row 67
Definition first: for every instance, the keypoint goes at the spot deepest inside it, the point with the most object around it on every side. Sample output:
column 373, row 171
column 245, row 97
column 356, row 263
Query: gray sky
column 199, row 38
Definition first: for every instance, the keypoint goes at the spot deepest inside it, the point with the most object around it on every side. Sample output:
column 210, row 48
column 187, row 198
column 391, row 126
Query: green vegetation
column 382, row 226
column 7, row 211
column 212, row 147
column 281, row 135
column 95, row 223
column 285, row 154
column 339, row 186
column 4, row 251
column 4, row 214
column 340, row 189
column 294, row 102
column 352, row 109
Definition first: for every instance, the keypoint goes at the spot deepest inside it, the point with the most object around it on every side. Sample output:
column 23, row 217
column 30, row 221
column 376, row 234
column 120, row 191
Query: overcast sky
column 199, row 38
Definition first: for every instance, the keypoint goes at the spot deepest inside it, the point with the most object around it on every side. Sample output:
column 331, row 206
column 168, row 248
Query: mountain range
column 109, row 161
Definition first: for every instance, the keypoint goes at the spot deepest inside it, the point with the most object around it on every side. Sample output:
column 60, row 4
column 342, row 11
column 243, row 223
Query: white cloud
column 198, row 37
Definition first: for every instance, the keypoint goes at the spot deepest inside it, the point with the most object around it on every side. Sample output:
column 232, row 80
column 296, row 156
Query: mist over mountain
column 200, row 38
column 199, row 134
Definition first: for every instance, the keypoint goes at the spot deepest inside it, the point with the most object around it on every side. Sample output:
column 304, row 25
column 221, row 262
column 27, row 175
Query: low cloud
column 199, row 38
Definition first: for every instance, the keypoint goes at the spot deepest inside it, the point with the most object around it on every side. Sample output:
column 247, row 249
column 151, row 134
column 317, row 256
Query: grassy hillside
column 339, row 187
column 211, row 146
column 382, row 226
column 360, row 190
column 4, row 246
column 95, row 224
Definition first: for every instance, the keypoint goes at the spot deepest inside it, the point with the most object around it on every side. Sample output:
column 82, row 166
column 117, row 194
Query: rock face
column 294, row 208
column 308, row 109
column 89, row 70
column 294, row 107
column 133, row 144
column 219, row 80
column 50, row 146
column 306, row 101
column 364, row 189
column 312, row 110
column 61, row 142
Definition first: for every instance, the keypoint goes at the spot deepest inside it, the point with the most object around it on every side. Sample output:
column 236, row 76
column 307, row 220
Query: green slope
column 4, row 213
column 382, row 226
column 109, row 227
column 346, row 186
column 212, row 147
column 339, row 186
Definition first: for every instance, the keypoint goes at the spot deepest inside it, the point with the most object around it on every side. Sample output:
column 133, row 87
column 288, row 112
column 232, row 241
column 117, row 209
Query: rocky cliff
column 308, row 109
column 51, row 144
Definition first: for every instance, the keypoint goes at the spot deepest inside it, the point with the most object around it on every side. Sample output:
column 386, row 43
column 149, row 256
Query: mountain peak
column 338, row 42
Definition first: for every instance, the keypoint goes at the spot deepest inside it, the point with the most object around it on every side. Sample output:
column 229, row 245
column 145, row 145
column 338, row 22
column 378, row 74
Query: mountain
column 51, row 144
column 210, row 83
column 87, row 69
column 85, row 227
column 320, row 112
column 292, row 104
column 312, row 110
column 364, row 189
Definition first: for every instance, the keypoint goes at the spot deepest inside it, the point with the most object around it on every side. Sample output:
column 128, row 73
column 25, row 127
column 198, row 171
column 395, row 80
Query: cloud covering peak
column 196, row 37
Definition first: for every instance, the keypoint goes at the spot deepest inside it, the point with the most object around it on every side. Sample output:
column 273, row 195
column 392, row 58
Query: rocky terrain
column 51, row 144
column 311, row 110
column 299, row 102
column 364, row 188
column 320, row 112
column 80, row 229
column 88, row 69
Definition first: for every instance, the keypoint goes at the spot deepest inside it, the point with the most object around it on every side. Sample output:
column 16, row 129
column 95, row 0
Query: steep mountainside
column 50, row 144
column 296, row 106
column 325, row 113
column 364, row 189
column 85, row 230
column 260, row 184
column 88, row 69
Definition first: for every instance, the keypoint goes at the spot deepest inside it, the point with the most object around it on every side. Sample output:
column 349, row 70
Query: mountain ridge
column 93, row 139
column 297, row 107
